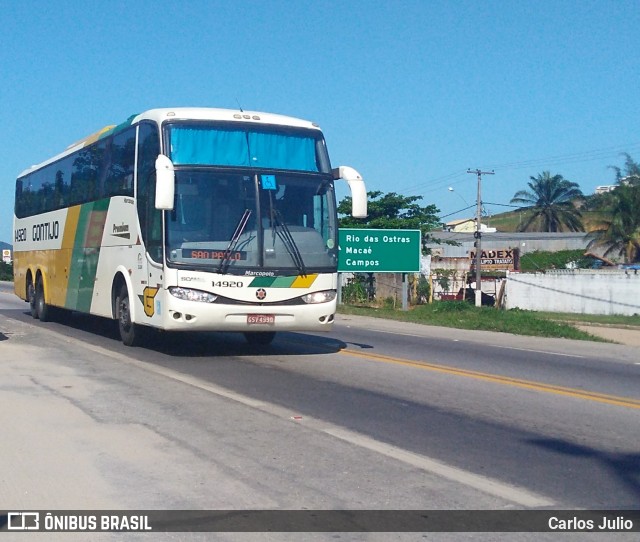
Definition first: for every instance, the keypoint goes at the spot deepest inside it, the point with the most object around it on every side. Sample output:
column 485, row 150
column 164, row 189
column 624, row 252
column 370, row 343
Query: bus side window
column 119, row 181
column 84, row 176
column 150, row 217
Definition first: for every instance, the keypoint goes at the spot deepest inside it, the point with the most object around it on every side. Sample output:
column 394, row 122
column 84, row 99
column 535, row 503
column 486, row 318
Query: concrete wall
column 525, row 242
column 576, row 291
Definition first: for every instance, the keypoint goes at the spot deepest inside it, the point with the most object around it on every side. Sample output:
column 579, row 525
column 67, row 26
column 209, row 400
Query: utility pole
column 478, row 233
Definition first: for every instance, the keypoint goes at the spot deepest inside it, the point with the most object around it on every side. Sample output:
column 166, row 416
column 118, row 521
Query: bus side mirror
column 165, row 183
column 358, row 189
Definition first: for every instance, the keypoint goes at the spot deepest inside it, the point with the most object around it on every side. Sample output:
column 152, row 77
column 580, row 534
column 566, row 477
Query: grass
column 596, row 319
column 464, row 315
column 511, row 220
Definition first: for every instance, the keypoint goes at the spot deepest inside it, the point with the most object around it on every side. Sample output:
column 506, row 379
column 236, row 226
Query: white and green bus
column 186, row 219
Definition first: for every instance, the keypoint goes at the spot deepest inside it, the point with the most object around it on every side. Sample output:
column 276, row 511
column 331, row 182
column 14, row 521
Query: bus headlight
column 192, row 295
column 320, row 297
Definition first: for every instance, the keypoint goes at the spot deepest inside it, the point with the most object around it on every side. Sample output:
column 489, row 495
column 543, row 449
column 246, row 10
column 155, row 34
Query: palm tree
column 620, row 234
column 550, row 202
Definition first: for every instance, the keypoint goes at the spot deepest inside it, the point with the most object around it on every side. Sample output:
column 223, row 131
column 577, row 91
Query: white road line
column 537, row 351
column 517, row 495
column 491, row 345
column 511, row 493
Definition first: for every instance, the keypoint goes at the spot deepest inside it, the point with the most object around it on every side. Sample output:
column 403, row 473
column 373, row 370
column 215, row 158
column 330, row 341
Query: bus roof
column 231, row 115
column 181, row 113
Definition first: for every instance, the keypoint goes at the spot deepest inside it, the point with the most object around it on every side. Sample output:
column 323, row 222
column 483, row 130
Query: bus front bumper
column 181, row 315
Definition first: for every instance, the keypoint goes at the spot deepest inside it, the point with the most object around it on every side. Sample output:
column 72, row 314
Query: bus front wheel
column 129, row 332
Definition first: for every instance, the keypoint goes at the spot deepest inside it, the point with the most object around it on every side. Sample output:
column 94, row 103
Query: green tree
column 6, row 271
column 619, row 235
column 392, row 211
column 550, row 204
column 630, row 173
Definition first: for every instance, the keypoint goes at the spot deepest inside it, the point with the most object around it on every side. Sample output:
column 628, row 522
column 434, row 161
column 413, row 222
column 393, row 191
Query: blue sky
column 410, row 93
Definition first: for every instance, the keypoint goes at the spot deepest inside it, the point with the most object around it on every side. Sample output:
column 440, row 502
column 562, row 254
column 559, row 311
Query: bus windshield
column 254, row 146
column 253, row 222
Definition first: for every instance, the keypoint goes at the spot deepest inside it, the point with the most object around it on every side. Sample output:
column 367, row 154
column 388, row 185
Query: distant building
column 466, row 225
column 523, row 241
column 603, row 189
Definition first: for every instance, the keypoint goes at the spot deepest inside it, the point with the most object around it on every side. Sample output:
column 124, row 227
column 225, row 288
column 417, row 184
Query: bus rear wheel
column 129, row 332
column 43, row 311
column 31, row 296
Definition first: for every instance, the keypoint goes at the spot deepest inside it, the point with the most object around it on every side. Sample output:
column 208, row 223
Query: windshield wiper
column 226, row 257
column 282, row 230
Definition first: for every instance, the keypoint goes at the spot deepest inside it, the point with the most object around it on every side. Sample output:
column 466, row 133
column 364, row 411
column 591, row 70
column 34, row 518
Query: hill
column 509, row 221
column 4, row 245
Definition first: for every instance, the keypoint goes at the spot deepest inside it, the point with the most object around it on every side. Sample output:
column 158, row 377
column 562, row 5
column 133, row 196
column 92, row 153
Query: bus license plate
column 261, row 319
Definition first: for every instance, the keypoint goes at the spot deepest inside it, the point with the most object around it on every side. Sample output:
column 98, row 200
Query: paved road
column 375, row 415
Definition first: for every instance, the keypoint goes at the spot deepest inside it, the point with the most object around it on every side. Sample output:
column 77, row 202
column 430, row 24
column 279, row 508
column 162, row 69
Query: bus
column 186, row 219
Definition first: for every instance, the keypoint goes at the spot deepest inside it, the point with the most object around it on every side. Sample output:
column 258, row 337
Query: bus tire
column 262, row 338
column 129, row 332
column 43, row 311
column 31, row 297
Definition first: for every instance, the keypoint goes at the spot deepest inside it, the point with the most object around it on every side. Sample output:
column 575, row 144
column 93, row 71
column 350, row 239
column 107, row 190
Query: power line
column 436, row 183
column 458, row 211
column 583, row 156
column 504, row 205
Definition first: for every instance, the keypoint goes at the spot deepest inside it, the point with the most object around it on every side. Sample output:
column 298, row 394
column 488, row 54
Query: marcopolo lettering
column 46, row 231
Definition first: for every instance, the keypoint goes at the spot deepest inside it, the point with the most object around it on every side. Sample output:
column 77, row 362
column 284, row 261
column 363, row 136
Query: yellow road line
column 508, row 381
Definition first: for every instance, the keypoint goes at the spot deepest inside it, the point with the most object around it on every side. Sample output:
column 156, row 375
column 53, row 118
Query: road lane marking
column 627, row 402
column 469, row 479
column 537, row 351
column 514, row 494
column 548, row 352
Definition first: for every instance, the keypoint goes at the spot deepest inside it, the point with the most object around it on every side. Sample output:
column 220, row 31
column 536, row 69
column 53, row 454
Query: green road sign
column 379, row 251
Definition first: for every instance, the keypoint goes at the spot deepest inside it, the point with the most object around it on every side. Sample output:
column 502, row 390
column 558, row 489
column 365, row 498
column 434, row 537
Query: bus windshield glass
column 247, row 145
column 252, row 222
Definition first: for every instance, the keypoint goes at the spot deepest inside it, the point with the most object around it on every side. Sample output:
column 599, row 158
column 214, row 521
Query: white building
column 467, row 225
column 603, row 189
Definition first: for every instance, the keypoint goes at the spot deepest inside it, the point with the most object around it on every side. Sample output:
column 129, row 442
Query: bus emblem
column 261, row 293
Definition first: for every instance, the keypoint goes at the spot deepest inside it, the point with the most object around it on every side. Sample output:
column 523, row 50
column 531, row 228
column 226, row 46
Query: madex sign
column 507, row 259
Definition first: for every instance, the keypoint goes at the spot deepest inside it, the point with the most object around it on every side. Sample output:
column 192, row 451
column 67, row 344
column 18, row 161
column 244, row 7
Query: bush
column 541, row 260
column 6, row 271
column 423, row 290
column 355, row 291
